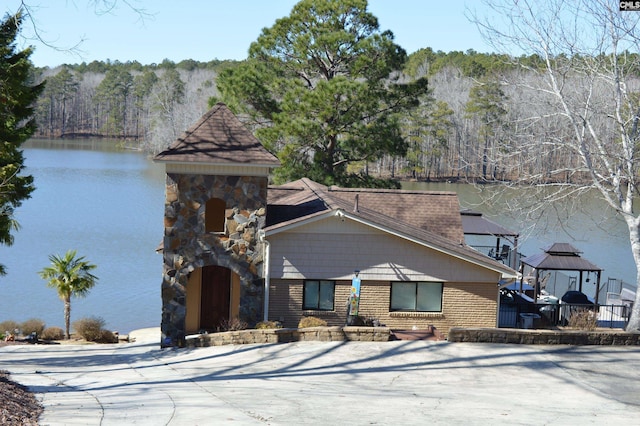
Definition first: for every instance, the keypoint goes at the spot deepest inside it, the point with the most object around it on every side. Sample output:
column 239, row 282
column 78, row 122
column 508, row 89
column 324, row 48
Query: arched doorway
column 213, row 297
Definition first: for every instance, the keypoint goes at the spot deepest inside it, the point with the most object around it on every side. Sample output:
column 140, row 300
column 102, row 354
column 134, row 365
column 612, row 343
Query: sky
column 205, row 30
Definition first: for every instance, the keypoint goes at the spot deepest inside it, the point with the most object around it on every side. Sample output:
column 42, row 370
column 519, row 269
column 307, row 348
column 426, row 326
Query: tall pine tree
column 17, row 97
column 323, row 85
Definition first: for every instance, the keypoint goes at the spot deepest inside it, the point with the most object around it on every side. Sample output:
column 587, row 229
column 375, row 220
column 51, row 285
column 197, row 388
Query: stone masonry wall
column 287, row 335
column 187, row 246
column 544, row 337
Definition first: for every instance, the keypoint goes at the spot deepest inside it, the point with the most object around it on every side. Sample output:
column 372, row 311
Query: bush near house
column 233, row 324
column 583, row 319
column 367, row 322
column 268, row 325
column 306, row 322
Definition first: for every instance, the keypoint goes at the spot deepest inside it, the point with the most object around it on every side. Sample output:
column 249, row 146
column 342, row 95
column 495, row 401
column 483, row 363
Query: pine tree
column 17, row 97
column 325, row 89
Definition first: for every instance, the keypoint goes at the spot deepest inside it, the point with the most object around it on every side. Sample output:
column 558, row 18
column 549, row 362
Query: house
column 236, row 247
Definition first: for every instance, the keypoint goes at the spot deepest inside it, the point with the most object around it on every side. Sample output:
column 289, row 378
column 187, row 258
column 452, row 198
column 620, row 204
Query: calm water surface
column 108, row 205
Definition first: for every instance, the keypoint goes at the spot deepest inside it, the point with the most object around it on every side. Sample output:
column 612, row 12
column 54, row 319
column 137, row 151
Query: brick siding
column 463, row 305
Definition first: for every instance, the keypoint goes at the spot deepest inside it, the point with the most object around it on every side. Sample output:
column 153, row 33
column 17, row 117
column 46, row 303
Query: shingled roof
column 436, row 212
column 218, row 138
column 301, row 200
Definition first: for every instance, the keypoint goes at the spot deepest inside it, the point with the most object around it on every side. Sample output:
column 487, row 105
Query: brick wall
column 464, row 305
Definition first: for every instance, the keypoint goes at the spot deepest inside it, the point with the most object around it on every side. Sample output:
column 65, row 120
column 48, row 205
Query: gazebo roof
column 560, row 257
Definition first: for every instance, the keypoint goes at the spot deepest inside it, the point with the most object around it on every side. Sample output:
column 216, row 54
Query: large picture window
column 416, row 296
column 318, row 295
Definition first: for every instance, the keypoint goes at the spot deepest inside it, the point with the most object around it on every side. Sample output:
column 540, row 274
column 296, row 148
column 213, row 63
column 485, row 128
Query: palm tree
column 70, row 276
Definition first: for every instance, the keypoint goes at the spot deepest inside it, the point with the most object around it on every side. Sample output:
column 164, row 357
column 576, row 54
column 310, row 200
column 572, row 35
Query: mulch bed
column 18, row 406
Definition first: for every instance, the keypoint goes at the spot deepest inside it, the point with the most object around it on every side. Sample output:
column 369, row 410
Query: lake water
column 108, row 205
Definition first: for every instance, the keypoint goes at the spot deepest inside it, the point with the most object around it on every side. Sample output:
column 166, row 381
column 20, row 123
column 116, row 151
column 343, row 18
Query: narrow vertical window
column 214, row 215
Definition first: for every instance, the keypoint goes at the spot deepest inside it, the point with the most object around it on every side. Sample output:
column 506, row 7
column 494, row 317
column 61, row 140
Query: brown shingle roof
column 304, row 198
column 437, row 212
column 218, row 138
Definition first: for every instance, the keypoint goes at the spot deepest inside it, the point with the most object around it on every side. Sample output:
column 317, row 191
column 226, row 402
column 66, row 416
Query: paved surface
column 316, row 383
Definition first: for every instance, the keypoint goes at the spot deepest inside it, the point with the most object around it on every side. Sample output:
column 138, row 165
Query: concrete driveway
column 316, row 383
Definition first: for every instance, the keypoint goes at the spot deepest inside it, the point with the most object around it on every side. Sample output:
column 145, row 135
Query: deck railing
column 553, row 314
column 510, row 257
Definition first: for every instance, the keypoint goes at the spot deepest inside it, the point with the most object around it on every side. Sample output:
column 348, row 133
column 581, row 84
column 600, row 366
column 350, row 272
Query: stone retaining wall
column 285, row 335
column 543, row 337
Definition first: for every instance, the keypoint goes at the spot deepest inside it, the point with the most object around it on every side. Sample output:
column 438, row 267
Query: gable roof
column 304, row 200
column 218, row 137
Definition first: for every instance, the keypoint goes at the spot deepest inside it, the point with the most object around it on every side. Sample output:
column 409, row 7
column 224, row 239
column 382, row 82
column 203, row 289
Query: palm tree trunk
column 67, row 315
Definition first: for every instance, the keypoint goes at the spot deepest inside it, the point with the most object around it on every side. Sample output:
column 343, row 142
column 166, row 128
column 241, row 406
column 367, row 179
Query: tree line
column 466, row 128
column 145, row 106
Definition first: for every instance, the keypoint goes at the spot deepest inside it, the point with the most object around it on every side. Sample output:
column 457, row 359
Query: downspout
column 267, row 254
column 498, row 308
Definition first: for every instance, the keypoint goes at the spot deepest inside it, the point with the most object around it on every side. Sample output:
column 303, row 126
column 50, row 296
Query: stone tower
column 215, row 206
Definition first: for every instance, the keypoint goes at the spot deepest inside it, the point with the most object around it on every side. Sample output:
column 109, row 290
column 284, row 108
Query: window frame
column 415, row 297
column 318, row 305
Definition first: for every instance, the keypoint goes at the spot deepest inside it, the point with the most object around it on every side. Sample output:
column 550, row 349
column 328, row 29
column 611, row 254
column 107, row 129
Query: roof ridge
column 322, row 192
column 203, row 119
column 335, row 188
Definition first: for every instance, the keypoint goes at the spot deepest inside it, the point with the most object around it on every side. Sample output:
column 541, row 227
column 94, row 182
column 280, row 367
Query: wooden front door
column 215, row 297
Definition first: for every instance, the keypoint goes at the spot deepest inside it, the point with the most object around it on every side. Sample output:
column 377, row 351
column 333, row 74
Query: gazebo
column 562, row 257
column 473, row 223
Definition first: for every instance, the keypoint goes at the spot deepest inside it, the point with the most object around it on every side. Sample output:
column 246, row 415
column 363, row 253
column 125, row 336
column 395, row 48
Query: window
column 416, row 296
column 214, row 215
column 318, row 295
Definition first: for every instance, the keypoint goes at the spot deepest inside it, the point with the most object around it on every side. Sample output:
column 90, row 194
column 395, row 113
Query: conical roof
column 218, row 138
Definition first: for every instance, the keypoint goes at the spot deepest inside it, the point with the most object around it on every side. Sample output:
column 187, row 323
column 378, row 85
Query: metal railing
column 509, row 257
column 515, row 315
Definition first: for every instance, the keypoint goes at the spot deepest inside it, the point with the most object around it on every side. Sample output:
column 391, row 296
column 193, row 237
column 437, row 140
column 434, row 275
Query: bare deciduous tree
column 586, row 89
column 36, row 30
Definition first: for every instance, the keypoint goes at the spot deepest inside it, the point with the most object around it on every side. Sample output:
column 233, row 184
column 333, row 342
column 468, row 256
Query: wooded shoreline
column 448, row 139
